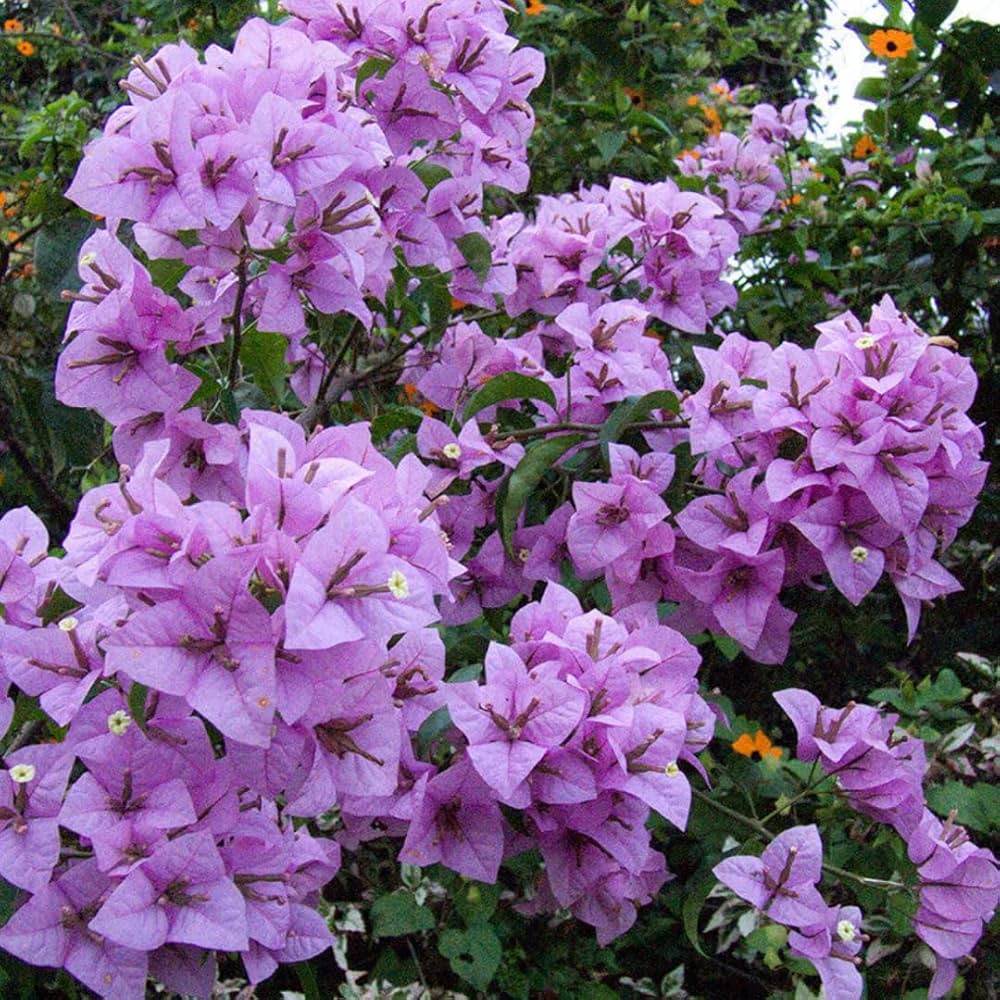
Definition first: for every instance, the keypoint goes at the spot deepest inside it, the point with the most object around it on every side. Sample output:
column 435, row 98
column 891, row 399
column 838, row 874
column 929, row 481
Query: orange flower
column 713, row 123
column 3, row 198
column 759, row 744
column 696, row 3
column 888, row 43
column 533, row 7
column 695, row 154
column 864, row 147
column 430, row 408
column 56, row 30
column 693, row 101
column 636, row 96
column 457, row 305
column 25, row 48
column 410, row 391
column 12, row 24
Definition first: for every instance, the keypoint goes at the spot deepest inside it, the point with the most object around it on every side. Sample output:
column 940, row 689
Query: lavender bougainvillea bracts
column 241, row 635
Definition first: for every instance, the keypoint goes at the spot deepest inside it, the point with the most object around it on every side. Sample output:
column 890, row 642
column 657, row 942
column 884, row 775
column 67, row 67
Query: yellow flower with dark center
column 890, row 43
column 12, row 24
column 759, row 744
column 25, row 48
column 864, row 147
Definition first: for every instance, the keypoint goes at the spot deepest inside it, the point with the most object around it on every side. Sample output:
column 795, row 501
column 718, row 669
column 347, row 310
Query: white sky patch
column 846, row 54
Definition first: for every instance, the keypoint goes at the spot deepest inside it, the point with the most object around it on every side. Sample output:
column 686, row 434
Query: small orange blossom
column 864, row 147
column 889, row 43
column 759, row 744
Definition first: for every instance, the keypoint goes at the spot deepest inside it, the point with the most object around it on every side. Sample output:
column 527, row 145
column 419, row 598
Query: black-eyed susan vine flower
column 890, row 43
column 636, row 96
column 864, row 147
column 759, row 744
column 534, row 7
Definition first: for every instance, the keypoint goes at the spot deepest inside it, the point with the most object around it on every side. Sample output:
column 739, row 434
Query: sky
column 846, row 53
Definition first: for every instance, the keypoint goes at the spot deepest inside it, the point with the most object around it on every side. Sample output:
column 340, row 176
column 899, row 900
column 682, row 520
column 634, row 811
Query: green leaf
column 474, row 954
column 431, row 173
column 871, row 88
column 632, row 410
column 476, row 901
column 399, row 913
column 375, row 66
column 608, row 144
column 934, row 12
column 729, row 648
column 308, row 981
column 56, row 248
column 694, row 901
column 478, row 254
column 509, row 385
column 8, row 896
column 977, row 806
column 263, row 356
column 394, row 417
column 538, row 459
column 137, row 703
column 166, row 273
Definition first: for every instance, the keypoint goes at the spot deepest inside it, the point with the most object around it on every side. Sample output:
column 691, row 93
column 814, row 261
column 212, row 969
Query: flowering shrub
column 240, row 645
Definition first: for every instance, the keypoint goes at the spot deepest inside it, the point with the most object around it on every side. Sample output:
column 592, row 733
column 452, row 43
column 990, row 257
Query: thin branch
column 236, row 320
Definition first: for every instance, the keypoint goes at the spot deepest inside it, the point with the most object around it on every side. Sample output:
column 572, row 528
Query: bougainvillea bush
column 423, row 509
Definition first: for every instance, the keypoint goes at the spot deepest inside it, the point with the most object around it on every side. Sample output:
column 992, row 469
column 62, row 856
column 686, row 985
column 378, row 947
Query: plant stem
column 237, row 322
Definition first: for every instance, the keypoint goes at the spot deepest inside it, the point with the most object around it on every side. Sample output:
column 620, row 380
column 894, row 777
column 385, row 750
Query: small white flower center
column 672, row 770
column 21, row 774
column 523, row 554
column 118, row 722
column 846, row 931
column 859, row 553
column 451, row 450
column 87, row 259
column 865, row 342
column 397, row 585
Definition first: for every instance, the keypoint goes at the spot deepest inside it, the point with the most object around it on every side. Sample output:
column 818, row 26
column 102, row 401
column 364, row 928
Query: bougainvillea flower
column 181, row 894
column 51, row 929
column 782, row 881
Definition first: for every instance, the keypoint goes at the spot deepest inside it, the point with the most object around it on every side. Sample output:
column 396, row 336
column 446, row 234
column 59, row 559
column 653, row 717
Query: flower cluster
column 673, row 244
column 284, row 176
column 265, row 621
column 782, row 883
column 743, row 171
column 238, row 637
column 855, row 458
column 882, row 770
column 582, row 724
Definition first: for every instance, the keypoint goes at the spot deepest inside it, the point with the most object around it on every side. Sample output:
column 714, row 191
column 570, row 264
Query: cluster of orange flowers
column 12, row 26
